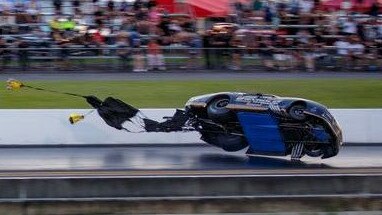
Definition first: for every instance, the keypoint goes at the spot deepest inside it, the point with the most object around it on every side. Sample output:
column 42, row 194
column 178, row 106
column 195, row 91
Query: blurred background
column 158, row 54
column 141, row 35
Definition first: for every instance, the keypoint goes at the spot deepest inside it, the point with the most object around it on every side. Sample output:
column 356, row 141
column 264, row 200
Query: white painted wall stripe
column 51, row 126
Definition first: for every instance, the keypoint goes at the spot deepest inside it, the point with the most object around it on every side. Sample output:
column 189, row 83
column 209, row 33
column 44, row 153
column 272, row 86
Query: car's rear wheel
column 217, row 109
column 227, row 142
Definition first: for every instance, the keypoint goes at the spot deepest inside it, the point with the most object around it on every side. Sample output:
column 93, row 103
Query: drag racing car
column 266, row 124
column 233, row 121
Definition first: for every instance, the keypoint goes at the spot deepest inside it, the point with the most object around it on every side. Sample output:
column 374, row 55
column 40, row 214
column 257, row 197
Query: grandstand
column 306, row 35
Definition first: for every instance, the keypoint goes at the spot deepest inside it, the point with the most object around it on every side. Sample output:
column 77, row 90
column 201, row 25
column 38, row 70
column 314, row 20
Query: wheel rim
column 221, row 104
column 297, row 112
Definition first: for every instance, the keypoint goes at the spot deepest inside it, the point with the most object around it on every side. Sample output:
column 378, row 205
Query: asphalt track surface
column 178, row 159
column 187, row 75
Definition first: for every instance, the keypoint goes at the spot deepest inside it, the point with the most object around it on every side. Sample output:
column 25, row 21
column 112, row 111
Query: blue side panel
column 262, row 133
column 321, row 135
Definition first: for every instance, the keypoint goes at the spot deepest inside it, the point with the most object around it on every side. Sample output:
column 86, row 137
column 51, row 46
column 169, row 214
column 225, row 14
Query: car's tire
column 296, row 112
column 217, row 111
column 227, row 142
column 314, row 152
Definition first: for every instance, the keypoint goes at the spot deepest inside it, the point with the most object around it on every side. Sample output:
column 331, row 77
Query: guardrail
column 52, row 127
column 245, row 58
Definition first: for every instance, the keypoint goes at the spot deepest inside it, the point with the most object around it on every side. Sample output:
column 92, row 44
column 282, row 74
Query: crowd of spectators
column 283, row 34
column 301, row 33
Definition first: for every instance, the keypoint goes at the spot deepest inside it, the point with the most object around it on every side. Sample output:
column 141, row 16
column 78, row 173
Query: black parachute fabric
column 175, row 123
column 113, row 111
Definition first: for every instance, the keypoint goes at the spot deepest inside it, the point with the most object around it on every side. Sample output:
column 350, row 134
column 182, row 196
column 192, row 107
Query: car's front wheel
column 313, row 150
column 217, row 109
column 297, row 112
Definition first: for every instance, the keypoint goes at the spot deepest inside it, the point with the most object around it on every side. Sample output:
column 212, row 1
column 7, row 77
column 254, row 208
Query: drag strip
column 178, row 178
column 154, row 160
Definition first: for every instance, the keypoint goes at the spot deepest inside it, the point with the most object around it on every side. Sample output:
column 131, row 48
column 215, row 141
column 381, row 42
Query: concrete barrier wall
column 360, row 125
column 52, row 127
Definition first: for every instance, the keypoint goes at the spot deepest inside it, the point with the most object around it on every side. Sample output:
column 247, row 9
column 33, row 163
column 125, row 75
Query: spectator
column 294, row 7
column 374, row 10
column 266, row 52
column 138, row 4
column 164, row 26
column 33, row 10
column 220, row 44
column 333, row 22
column 303, row 36
column 378, row 26
column 349, row 27
column 257, row 5
column 6, row 8
column 155, row 56
column 98, row 38
column 310, row 54
column 19, row 6
column 236, row 46
column 280, row 53
column 63, row 43
column 76, row 6
column 76, row 3
column 361, row 31
column 371, row 55
column 194, row 44
column 138, row 56
column 342, row 46
column 99, row 16
column 123, row 49
column 110, row 6
column 187, row 25
column 346, row 5
column 124, row 7
column 151, row 4
column 269, row 12
column 3, row 47
column 306, row 6
column 57, row 6
column 23, row 54
column 154, row 18
column 207, row 45
column 154, row 15
column 356, row 51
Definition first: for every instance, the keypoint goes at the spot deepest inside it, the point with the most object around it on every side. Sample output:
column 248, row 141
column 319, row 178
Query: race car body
column 268, row 124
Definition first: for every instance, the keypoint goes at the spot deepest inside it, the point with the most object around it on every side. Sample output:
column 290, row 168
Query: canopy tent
column 200, row 8
column 207, row 8
column 356, row 5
